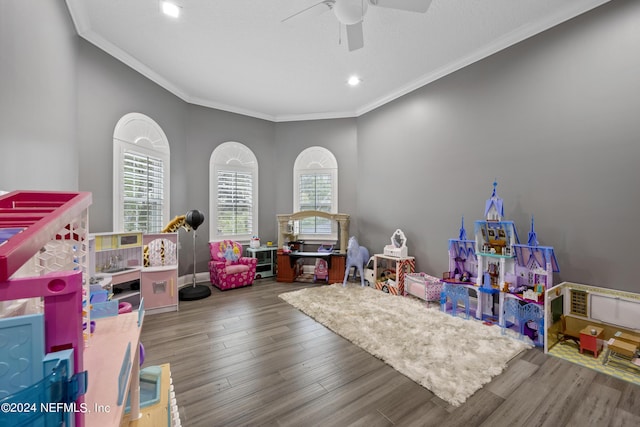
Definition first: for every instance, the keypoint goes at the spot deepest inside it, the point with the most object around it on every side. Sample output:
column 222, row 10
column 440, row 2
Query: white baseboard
column 187, row 280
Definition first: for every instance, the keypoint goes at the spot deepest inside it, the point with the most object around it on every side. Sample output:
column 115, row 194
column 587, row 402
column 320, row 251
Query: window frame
column 235, row 157
column 313, row 161
column 139, row 134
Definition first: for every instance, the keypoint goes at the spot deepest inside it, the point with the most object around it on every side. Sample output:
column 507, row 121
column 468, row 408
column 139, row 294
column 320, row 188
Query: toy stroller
column 321, row 271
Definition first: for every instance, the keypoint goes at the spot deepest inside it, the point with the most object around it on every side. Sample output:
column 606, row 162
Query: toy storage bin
column 423, row 286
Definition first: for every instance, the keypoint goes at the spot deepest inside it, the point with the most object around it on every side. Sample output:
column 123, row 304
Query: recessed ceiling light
column 170, row 9
column 354, row 81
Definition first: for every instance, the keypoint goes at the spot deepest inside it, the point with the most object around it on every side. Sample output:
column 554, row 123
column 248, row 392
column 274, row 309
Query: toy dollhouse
column 43, row 258
column 59, row 355
column 507, row 278
column 463, row 264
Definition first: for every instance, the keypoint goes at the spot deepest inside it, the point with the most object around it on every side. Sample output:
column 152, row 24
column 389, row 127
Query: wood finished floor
column 244, row 357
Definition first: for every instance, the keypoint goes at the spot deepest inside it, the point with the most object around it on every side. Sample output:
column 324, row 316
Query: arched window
column 233, row 201
column 315, row 187
column 140, row 175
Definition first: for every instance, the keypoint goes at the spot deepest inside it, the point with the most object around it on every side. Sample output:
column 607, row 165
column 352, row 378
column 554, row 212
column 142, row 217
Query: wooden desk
column 590, row 341
column 627, row 337
column 287, row 262
column 620, row 349
column 296, row 255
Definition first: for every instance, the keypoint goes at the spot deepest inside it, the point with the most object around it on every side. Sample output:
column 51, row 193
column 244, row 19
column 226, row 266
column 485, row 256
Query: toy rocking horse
column 357, row 256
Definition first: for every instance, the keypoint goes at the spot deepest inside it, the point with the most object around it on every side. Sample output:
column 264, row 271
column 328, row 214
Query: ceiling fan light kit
column 351, row 13
column 170, row 9
column 419, row 6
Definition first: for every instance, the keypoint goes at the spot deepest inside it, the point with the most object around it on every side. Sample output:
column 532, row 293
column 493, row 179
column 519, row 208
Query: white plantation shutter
column 233, row 183
column 143, row 192
column 315, row 175
column 141, row 181
column 315, row 194
column 235, row 203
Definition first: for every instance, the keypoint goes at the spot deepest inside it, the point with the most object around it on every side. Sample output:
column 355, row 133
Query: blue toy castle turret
column 463, row 265
column 534, row 267
column 494, row 208
column 533, row 237
column 495, row 238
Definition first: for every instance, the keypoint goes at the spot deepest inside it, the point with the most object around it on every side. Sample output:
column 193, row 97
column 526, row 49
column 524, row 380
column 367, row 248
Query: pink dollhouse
column 56, row 357
column 44, row 256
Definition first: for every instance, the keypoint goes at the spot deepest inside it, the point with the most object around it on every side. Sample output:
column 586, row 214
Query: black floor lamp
column 194, row 292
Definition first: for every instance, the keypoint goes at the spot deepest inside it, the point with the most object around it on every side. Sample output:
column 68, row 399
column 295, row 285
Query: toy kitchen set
column 133, row 265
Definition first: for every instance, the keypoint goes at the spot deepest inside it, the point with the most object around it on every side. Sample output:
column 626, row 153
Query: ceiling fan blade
column 420, row 6
column 313, row 10
column 355, row 36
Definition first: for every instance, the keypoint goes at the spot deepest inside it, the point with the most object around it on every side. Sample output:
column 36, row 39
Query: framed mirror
column 398, row 240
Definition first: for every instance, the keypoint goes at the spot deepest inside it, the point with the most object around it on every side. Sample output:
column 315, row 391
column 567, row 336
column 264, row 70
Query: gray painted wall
column 107, row 90
column 206, row 129
column 37, row 97
column 554, row 119
column 339, row 137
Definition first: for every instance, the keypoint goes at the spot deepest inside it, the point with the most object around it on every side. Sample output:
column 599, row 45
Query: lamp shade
column 194, row 218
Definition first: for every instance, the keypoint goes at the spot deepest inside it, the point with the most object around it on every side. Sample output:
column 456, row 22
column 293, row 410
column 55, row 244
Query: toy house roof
column 462, row 249
column 494, row 202
column 531, row 251
column 541, row 254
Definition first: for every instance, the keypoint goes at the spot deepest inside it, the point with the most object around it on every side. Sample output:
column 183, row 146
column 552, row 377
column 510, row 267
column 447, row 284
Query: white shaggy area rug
column 450, row 356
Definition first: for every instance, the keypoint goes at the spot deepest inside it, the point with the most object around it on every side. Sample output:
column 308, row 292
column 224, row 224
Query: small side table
column 266, row 255
column 591, row 342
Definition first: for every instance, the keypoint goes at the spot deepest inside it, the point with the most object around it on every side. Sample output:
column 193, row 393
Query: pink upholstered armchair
column 228, row 269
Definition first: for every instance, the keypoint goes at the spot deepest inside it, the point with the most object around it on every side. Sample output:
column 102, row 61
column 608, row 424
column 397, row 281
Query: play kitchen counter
column 138, row 265
column 124, row 285
column 118, row 257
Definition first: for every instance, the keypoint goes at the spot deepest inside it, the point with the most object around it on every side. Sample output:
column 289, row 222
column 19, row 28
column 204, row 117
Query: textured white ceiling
column 237, row 55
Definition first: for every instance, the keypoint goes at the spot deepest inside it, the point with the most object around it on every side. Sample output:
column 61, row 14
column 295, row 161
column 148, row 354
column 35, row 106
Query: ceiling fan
column 351, row 14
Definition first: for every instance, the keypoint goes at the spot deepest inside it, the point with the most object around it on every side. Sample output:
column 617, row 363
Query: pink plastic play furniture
column 39, row 217
column 228, row 269
column 321, row 270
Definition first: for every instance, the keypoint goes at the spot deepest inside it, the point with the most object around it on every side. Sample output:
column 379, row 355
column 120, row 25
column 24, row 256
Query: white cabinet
column 159, row 276
column 266, row 256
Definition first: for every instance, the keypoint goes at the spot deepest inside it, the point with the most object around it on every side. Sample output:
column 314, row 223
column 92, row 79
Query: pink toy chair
column 228, row 269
